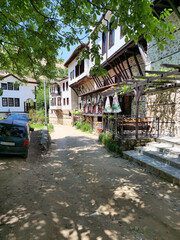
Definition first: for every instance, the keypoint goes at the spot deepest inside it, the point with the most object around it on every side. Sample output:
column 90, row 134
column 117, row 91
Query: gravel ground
column 80, row 191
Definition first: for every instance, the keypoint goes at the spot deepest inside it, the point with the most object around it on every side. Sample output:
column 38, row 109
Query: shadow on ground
column 80, row 191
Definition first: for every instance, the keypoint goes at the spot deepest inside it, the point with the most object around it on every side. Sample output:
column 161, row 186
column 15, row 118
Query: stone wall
column 171, row 52
column 63, row 117
column 165, row 104
column 142, row 108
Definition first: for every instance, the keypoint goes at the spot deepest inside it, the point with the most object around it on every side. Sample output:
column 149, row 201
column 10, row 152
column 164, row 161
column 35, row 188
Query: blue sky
column 64, row 54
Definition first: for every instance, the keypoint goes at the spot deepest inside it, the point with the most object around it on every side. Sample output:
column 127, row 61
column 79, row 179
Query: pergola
column 138, row 84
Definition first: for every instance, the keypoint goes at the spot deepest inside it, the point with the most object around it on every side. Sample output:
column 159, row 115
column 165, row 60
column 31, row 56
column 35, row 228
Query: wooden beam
column 142, row 53
column 124, row 70
column 112, row 81
column 99, row 81
column 155, row 72
column 121, row 71
column 138, row 65
column 175, row 66
column 165, row 78
column 95, row 80
column 114, row 70
column 129, row 67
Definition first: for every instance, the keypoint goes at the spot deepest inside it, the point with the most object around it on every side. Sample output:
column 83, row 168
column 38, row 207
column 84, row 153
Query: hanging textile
column 107, row 108
column 115, row 105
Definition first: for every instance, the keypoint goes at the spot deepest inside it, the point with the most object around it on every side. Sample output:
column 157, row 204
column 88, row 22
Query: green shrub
column 78, row 125
column 110, row 143
column 78, row 112
column 83, row 126
column 50, row 127
column 37, row 116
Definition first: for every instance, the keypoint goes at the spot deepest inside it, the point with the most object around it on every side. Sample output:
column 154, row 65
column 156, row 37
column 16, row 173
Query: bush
column 110, row 143
column 78, row 112
column 50, row 127
column 37, row 116
column 84, row 126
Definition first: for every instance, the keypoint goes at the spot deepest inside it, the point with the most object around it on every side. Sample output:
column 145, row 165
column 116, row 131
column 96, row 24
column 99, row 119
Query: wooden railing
column 126, row 127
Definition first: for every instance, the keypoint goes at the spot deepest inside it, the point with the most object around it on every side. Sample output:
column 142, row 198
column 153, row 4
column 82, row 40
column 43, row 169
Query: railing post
column 157, row 126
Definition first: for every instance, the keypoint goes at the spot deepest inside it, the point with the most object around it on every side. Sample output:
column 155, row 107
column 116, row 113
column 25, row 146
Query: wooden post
column 138, row 92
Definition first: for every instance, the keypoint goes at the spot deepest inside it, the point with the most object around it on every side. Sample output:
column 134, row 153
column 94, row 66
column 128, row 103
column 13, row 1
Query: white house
column 62, row 101
column 17, row 96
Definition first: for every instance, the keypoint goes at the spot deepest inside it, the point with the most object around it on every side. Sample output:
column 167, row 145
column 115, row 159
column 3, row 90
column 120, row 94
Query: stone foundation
column 63, row 117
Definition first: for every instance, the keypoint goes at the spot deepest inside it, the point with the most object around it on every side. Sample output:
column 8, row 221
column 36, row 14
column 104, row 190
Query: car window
column 12, row 131
column 17, row 117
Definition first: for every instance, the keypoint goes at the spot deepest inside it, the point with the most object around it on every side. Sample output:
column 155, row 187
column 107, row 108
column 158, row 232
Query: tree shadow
column 80, row 191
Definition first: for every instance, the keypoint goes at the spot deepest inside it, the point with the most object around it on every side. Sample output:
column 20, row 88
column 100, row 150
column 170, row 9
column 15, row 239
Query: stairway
column 161, row 157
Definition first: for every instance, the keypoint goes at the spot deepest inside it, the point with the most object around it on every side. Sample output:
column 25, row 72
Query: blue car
column 18, row 116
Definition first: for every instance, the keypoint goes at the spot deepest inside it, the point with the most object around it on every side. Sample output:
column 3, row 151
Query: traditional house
column 17, row 95
column 62, row 101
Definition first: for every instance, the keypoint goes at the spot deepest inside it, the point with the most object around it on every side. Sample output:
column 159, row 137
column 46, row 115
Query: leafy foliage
column 84, row 126
column 33, row 31
column 110, row 142
column 78, row 112
column 37, row 116
column 40, row 97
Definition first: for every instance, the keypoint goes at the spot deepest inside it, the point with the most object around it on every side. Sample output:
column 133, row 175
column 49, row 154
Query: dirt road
column 79, row 191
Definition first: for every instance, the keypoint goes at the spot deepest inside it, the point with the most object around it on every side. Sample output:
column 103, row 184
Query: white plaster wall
column 71, row 67
column 65, row 94
column 118, row 43
column 25, row 91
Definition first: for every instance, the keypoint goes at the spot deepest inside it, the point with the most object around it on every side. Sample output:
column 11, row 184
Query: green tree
column 31, row 32
column 40, row 97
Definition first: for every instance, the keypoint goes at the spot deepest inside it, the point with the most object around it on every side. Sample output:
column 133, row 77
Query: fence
column 125, row 127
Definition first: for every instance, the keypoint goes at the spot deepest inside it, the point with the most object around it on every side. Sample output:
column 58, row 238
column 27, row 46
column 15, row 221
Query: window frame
column 5, row 84
column 11, row 104
column 111, row 35
column 10, row 84
column 104, row 42
column 15, row 104
column 3, row 99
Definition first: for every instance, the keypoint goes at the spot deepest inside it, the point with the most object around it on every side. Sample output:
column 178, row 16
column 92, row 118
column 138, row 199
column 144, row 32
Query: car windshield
column 17, row 117
column 12, row 131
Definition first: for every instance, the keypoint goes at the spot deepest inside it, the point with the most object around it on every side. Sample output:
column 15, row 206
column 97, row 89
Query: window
column 59, row 101
column 72, row 75
column 16, row 87
column 79, row 68
column 104, row 35
column 10, row 86
column 11, row 102
column 63, row 86
column 53, row 102
column 17, row 102
column 67, row 86
column 4, row 102
column 67, row 101
column 121, row 32
column 111, row 35
column 82, row 67
column 64, row 101
column 4, row 86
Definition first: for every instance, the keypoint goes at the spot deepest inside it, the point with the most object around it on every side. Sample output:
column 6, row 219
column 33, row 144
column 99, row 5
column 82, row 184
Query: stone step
column 159, row 168
column 174, row 141
column 165, row 147
column 167, row 158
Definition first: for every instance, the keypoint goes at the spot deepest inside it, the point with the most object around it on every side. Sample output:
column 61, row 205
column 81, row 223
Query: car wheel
column 25, row 155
